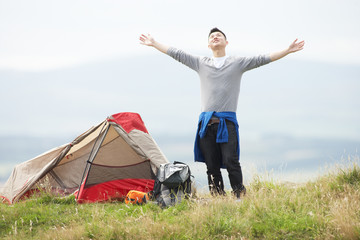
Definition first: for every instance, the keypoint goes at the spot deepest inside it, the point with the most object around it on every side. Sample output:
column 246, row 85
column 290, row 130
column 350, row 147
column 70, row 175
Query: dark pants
column 213, row 153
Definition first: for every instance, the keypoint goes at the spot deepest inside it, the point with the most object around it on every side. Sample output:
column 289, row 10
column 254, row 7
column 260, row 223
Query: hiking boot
column 216, row 186
column 217, row 192
column 239, row 192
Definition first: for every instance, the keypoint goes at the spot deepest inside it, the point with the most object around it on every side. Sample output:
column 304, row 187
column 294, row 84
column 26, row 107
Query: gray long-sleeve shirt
column 220, row 87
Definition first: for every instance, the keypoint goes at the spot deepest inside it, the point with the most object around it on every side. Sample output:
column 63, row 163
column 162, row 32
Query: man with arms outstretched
column 217, row 138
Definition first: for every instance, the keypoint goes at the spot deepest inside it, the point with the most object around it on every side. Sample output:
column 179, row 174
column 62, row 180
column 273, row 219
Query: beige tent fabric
column 116, row 152
column 88, row 139
column 148, row 145
column 25, row 175
column 144, row 145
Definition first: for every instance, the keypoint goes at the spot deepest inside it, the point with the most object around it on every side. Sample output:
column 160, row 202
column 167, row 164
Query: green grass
column 327, row 208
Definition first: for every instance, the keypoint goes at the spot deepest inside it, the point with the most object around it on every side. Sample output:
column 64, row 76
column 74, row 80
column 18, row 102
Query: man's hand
column 294, row 47
column 148, row 40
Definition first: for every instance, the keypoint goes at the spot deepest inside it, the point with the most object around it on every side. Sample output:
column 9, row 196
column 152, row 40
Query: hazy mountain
column 288, row 158
column 293, row 97
column 292, row 114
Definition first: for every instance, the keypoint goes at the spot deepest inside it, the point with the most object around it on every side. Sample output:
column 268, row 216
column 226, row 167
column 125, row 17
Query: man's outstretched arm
column 294, row 47
column 179, row 55
column 148, row 40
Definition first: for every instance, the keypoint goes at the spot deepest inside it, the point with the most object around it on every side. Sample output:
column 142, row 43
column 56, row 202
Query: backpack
column 172, row 184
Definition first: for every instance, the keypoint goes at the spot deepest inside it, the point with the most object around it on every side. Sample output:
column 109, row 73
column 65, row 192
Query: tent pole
column 88, row 162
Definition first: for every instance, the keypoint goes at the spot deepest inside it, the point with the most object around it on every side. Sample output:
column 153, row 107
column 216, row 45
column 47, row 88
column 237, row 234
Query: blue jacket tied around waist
column 222, row 132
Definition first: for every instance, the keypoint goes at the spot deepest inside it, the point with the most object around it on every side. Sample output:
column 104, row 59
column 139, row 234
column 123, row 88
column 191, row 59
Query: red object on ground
column 113, row 190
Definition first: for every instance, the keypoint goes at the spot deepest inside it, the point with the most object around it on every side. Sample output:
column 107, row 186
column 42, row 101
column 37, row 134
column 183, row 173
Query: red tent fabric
column 129, row 121
column 113, row 190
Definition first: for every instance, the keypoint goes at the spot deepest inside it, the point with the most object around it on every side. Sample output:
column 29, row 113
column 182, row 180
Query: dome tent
column 104, row 163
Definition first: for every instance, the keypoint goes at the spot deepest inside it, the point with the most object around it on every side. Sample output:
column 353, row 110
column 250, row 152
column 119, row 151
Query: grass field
column 326, row 208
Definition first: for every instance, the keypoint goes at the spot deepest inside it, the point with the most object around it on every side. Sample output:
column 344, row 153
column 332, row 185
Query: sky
column 41, row 35
column 44, row 43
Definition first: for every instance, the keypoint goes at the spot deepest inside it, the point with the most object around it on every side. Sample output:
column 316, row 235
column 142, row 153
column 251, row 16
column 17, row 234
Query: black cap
column 216, row 30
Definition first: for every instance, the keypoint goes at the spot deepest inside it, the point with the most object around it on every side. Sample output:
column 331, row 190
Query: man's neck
column 219, row 53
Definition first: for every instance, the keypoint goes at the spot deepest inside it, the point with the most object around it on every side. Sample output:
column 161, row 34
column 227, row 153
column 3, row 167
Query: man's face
column 217, row 40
